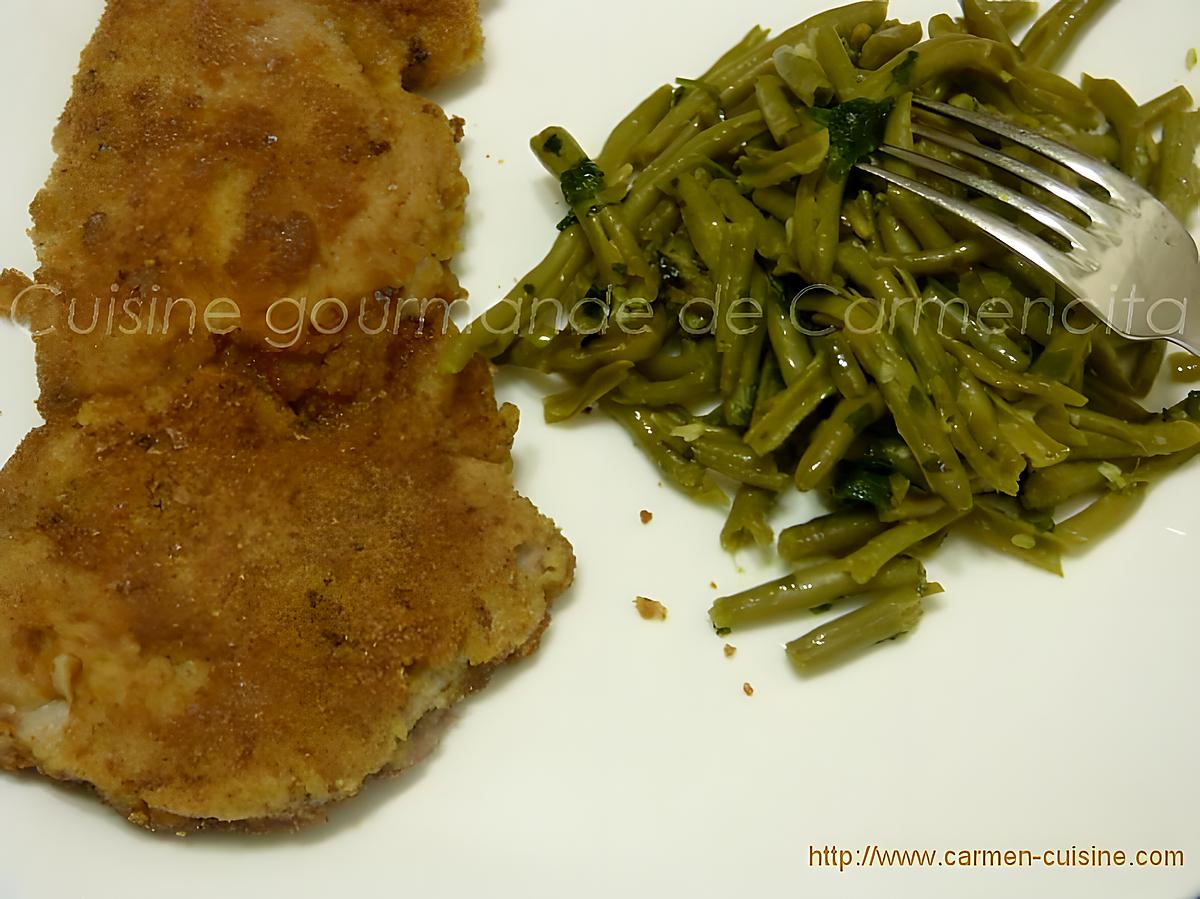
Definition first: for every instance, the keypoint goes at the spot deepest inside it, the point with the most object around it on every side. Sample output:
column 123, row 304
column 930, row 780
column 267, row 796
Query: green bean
column 940, row 262
column 1023, row 434
column 496, row 330
column 887, row 43
column 981, row 21
column 1178, row 181
column 1150, row 471
column 633, row 345
column 751, row 41
column 770, row 385
column 1101, row 518
column 600, row 383
column 859, row 213
column 915, row 416
column 1064, row 357
column 840, row 19
column 1151, row 357
column 1151, row 438
column 915, row 215
column 897, row 239
column 847, row 374
column 1030, row 383
column 696, row 103
column 1177, row 100
column 613, row 242
column 748, row 521
column 740, row 463
column 777, row 110
column 1050, row 487
column 741, row 400
column 770, row 236
column 689, row 476
column 1102, row 398
column 835, row 435
column 864, row 564
column 936, row 370
column 800, row 400
column 937, row 57
column 1106, row 364
column 829, row 535
column 830, row 192
column 923, row 404
column 789, row 346
column 775, row 202
column 1120, row 109
column 1085, row 446
column 804, row 76
column 618, row 149
column 736, row 263
column 980, row 413
column 661, row 223
column 804, row 225
column 775, row 168
column 1051, row 35
column 1012, row 13
column 703, row 219
column 808, row 589
column 942, row 25
column 1040, row 91
column 676, row 362
column 706, row 145
column 1037, row 551
column 890, row 616
column 831, row 54
column 698, row 383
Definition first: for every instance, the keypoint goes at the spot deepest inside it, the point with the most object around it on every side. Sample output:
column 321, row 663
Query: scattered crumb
column 1192, row 58
column 730, row 651
column 650, row 609
column 713, row 584
column 647, row 517
column 747, row 689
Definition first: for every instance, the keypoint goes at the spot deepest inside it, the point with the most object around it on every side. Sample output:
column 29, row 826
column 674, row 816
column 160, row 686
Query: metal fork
column 1135, row 265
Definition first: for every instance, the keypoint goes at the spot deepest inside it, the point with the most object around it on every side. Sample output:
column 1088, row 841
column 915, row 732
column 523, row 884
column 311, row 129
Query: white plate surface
column 624, row 758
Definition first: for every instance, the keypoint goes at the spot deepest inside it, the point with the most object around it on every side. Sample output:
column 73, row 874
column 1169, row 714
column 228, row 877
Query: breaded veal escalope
column 237, row 581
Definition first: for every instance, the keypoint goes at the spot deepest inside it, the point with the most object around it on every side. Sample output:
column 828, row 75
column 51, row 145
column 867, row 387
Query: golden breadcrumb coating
column 240, row 577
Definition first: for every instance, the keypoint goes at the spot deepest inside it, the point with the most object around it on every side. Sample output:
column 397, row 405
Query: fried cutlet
column 239, row 579
column 215, row 610
column 248, row 149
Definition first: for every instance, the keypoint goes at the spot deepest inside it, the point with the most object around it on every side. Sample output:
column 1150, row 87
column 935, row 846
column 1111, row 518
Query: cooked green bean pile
column 761, row 317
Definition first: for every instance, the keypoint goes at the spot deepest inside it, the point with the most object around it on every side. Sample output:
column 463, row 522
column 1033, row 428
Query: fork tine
column 1125, row 192
column 1078, row 236
column 1100, row 213
column 1063, row 268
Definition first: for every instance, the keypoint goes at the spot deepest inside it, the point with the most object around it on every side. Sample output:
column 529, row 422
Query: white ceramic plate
column 1027, row 712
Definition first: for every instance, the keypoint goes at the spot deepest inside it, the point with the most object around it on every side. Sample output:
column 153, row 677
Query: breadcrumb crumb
column 713, row 584
column 647, row 517
column 650, row 609
column 747, row 689
column 730, row 651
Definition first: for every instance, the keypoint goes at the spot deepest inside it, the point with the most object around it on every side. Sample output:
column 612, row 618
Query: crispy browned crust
column 254, row 606
column 248, row 149
column 233, row 580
